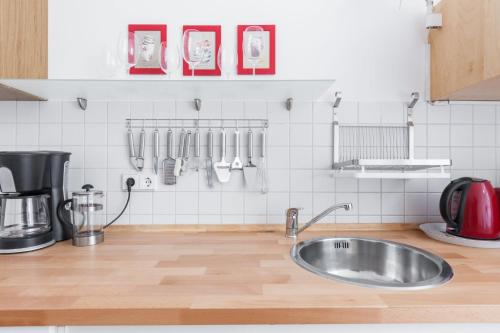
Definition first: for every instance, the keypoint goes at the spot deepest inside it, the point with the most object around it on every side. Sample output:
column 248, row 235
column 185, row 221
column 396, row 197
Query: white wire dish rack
column 381, row 151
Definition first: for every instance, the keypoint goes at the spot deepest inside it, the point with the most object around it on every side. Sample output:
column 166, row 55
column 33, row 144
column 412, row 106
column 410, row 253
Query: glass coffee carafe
column 88, row 216
column 24, row 216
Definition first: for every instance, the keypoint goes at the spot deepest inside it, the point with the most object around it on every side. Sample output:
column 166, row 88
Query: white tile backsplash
column 28, row 112
column 299, row 158
column 438, row 135
column 27, row 134
column 8, row 112
column 462, row 135
column 96, row 134
column 461, row 114
column 393, row 204
column 484, row 114
column 369, row 203
column 302, row 112
column 73, row 134
column 484, row 135
column 51, row 134
column 439, row 114
column 71, row 113
column 96, row 112
column 301, row 135
column 118, row 111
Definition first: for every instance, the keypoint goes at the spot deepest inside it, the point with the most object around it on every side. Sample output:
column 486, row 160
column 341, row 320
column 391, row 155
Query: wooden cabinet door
column 23, row 39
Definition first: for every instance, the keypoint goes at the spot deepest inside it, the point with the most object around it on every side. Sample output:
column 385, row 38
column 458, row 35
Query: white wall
column 375, row 49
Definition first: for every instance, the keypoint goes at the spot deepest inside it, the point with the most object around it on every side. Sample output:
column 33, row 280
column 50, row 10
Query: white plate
column 438, row 232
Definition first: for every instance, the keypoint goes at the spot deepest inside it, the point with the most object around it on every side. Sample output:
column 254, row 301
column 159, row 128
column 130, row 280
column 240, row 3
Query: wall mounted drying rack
column 195, row 123
column 381, row 151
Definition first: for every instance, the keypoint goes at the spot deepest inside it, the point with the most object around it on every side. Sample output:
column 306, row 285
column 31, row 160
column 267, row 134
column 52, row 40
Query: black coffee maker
column 32, row 184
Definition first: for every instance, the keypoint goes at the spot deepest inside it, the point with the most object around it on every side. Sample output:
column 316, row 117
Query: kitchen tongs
column 137, row 161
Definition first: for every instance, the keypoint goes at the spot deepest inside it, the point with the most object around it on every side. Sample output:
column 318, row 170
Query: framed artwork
column 256, row 49
column 199, row 49
column 147, row 42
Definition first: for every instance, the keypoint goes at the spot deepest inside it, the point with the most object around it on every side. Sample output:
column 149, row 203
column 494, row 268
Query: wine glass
column 192, row 49
column 109, row 66
column 127, row 56
column 254, row 45
column 226, row 60
column 169, row 59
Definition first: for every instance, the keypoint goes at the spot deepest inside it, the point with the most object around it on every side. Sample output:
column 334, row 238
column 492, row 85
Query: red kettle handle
column 445, row 207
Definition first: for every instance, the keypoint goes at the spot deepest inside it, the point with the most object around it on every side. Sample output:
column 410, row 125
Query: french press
column 88, row 216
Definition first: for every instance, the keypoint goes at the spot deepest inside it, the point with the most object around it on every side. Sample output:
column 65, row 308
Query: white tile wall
column 299, row 158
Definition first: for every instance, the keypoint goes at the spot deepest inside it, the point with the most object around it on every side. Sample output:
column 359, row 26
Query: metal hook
column 338, row 99
column 289, row 103
column 415, row 96
column 197, row 104
column 82, row 103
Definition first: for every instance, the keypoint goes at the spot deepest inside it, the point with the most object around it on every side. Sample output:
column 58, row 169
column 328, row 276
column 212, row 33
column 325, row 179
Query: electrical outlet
column 147, row 182
column 143, row 182
column 124, row 182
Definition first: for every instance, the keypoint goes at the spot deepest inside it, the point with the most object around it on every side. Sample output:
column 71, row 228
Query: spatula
column 187, row 149
column 156, row 150
column 222, row 168
column 195, row 161
column 180, row 155
column 210, row 158
column 142, row 149
column 250, row 169
column 237, row 165
column 263, row 177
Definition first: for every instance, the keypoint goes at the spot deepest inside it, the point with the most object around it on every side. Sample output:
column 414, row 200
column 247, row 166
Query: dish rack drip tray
column 382, row 151
column 393, row 168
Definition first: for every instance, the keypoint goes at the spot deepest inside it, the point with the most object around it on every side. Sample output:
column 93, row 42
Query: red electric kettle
column 470, row 208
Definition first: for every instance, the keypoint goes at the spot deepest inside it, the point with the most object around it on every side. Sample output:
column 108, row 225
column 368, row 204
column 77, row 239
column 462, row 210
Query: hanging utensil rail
column 195, row 123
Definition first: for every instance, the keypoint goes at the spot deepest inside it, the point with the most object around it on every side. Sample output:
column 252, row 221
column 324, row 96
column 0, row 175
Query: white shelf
column 392, row 175
column 393, row 168
column 187, row 89
column 392, row 164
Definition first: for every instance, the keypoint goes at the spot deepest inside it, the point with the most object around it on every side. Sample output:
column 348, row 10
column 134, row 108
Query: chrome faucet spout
column 292, row 219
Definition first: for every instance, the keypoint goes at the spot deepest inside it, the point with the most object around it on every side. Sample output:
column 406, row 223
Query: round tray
column 438, row 232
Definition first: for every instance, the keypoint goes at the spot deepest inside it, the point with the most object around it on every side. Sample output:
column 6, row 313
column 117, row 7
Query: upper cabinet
column 465, row 52
column 23, row 39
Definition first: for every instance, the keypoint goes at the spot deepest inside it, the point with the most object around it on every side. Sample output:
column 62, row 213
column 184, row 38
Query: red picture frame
column 162, row 28
column 272, row 51
column 186, row 70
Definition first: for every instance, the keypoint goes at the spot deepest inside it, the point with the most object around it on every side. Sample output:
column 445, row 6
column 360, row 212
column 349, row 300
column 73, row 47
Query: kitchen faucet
column 292, row 219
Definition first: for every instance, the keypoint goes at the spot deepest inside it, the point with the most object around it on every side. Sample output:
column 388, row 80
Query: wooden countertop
column 228, row 277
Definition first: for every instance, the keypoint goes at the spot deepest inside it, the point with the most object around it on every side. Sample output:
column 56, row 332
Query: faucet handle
column 293, row 213
column 292, row 222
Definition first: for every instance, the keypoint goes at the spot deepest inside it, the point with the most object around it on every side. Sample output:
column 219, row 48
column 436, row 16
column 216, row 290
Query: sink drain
column 341, row 245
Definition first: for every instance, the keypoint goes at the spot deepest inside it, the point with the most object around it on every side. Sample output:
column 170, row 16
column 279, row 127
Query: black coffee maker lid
column 34, row 152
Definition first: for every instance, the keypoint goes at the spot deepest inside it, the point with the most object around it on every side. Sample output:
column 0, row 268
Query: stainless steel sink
column 372, row 263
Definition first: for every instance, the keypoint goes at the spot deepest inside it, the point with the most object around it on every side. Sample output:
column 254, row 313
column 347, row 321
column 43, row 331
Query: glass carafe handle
column 60, row 216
